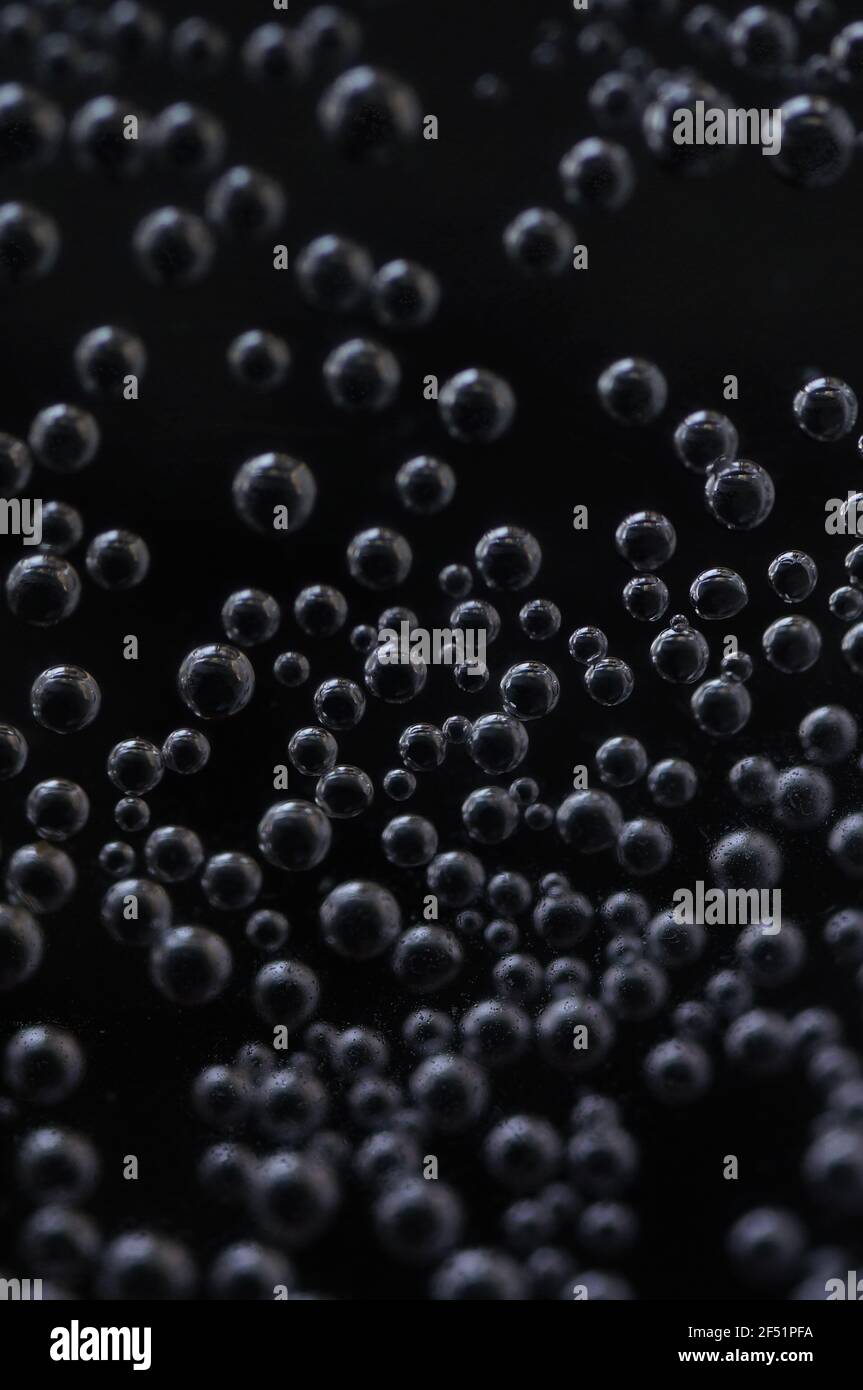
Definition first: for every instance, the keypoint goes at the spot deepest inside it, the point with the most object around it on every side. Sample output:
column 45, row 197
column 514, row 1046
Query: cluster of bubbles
column 488, row 966
column 635, row 97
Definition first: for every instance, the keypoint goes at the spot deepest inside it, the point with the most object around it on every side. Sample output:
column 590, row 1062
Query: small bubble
column 368, row 113
column 680, row 653
column 740, row 495
column 793, row 576
column 792, row 645
column 132, row 814
column 737, row 666
column 609, row 681
column 621, row 761
column 344, row 792
column 718, row 593
column 216, row 681
column 704, row 439
column 540, row 619
column 508, row 557
column 404, row 295
column 294, row 835
column 633, row 391
column 817, row 142
column 426, row 486
column 65, row 699
column 539, row 241
column 399, row 784
column 259, row 360
column 587, row 644
column 672, row 782
column 597, row 173
column 826, row 409
column 530, row 690
column 646, row 598
column 846, row 603
column 721, row 707
column 379, row 558
column 186, row 751
column 476, row 406
column 173, row 247
column 43, row 589
column 118, row 560
column 245, row 204
column 361, row 375
column 135, row 766
column 291, row 669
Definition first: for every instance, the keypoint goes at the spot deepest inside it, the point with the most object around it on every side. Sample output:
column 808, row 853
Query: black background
column 739, row 274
